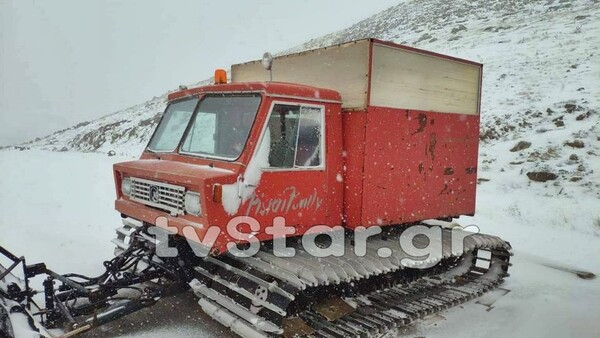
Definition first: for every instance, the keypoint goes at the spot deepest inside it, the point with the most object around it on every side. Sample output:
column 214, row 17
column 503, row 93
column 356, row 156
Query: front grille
column 159, row 195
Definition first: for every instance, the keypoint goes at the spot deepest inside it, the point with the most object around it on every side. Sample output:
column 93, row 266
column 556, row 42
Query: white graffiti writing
column 289, row 200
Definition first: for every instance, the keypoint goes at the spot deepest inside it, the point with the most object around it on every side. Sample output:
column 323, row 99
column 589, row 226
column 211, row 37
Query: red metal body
column 405, row 166
column 382, row 167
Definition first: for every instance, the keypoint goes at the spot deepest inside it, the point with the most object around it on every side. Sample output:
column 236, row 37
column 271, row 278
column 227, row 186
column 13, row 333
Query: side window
column 308, row 149
column 296, row 136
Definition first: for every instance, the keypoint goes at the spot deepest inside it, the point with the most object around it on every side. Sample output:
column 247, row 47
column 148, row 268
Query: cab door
column 294, row 180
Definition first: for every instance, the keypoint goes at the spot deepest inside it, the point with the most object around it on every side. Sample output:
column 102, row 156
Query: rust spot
column 431, row 122
column 432, row 144
column 448, row 171
column 422, row 123
column 446, row 190
column 421, row 168
column 471, row 170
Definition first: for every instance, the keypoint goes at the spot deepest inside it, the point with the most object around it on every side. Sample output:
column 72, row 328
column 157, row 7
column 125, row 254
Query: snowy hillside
column 122, row 131
column 125, row 132
column 534, row 52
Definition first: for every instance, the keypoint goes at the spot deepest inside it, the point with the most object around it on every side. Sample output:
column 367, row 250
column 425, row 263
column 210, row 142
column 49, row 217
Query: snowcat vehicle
column 311, row 195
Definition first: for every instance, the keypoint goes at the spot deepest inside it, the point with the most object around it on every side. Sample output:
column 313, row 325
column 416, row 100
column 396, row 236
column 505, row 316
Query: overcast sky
column 64, row 62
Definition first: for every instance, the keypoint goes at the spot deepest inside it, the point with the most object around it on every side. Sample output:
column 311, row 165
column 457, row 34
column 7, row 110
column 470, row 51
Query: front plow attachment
column 15, row 294
column 69, row 304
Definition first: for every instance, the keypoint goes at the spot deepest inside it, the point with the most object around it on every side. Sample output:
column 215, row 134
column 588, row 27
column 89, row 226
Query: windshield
column 172, row 126
column 221, row 126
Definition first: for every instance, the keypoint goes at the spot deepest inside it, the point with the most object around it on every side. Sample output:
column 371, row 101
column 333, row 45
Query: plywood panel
column 343, row 68
column 407, row 79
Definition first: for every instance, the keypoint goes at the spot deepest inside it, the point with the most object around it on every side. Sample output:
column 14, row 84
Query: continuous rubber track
column 402, row 304
column 346, row 296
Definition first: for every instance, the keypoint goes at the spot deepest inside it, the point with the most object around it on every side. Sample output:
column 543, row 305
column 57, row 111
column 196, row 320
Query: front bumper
column 160, row 218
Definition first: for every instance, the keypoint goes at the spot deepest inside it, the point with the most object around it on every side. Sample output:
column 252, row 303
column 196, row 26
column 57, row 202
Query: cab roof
column 268, row 88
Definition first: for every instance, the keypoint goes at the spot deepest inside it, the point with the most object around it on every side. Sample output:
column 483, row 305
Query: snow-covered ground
column 58, row 208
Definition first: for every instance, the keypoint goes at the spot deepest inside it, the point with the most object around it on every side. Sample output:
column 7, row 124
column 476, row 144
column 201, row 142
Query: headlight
column 192, row 203
column 126, row 187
